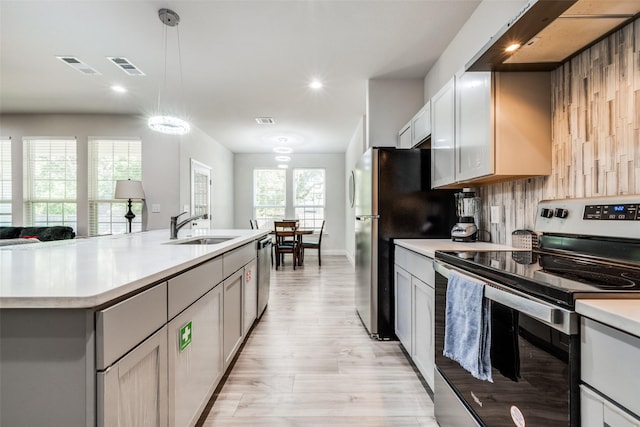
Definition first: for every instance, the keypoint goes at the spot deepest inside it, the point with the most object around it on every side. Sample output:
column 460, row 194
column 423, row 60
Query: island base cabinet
column 596, row 411
column 133, row 391
column 233, row 311
column 195, row 358
column 250, row 295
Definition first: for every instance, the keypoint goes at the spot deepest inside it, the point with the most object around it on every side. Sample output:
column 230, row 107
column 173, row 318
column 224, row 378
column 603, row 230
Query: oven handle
column 524, row 305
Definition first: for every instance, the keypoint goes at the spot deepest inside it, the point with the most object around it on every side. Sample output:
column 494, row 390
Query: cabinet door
column 250, row 295
column 195, row 358
column 421, row 124
column 474, row 139
column 233, row 310
column 443, row 136
column 423, row 329
column 404, row 136
column 133, row 391
column 402, row 287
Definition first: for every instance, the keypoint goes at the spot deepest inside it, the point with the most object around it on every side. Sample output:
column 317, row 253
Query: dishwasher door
column 264, row 273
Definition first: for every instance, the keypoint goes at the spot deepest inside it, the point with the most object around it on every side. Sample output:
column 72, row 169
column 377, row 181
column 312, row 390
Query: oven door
column 534, row 358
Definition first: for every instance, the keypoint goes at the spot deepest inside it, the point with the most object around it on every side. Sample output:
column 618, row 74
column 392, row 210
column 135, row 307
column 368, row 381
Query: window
column 109, row 161
column 308, row 197
column 5, row 182
column 50, row 182
column 269, row 196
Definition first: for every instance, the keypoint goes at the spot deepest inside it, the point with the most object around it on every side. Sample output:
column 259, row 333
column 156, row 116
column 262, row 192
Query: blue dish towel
column 467, row 331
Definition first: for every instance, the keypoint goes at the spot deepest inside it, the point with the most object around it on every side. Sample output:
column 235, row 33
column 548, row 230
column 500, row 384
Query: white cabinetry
column 233, row 309
column 404, row 136
column 501, row 128
column 421, row 124
column 415, row 300
column 403, row 319
column 609, row 365
column 418, row 128
column 443, row 136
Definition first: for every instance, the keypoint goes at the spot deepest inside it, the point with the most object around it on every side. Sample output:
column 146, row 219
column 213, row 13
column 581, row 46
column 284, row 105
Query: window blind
column 111, row 160
column 51, row 181
column 5, row 182
column 269, row 196
column 309, row 197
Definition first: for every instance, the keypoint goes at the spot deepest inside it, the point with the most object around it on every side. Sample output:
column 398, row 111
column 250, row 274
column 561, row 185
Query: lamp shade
column 128, row 189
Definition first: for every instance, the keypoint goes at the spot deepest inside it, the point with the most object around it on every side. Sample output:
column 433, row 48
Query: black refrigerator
column 393, row 199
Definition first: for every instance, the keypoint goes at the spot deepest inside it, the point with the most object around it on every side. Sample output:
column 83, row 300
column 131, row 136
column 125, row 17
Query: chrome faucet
column 175, row 225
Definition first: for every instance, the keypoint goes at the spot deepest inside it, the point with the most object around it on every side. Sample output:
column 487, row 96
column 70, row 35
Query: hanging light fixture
column 163, row 122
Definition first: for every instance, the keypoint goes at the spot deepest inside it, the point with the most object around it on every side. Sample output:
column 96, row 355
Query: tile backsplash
column 595, row 135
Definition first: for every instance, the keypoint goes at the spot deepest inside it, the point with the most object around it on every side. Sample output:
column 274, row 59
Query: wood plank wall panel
column 595, row 135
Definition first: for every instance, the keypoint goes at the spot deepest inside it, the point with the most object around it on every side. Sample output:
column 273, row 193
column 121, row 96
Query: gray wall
column 333, row 241
column 352, row 155
column 165, row 178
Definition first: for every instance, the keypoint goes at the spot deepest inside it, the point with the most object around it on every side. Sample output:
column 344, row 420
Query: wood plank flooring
column 309, row 361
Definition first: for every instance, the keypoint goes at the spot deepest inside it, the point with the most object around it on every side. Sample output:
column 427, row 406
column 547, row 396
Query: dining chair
column 286, row 242
column 251, row 224
column 313, row 245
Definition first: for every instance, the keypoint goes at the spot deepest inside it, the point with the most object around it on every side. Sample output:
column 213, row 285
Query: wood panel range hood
column 551, row 31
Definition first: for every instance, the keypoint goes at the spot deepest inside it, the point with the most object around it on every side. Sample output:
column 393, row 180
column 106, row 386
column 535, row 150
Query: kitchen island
column 133, row 329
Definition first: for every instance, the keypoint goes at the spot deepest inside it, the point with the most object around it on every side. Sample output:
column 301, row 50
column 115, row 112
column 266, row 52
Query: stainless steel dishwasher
column 264, row 273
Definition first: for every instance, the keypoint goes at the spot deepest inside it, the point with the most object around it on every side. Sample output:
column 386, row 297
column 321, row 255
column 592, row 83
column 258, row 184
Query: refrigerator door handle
column 367, row 217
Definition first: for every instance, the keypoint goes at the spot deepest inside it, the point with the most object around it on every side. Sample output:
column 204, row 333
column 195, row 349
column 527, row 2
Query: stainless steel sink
column 204, row 241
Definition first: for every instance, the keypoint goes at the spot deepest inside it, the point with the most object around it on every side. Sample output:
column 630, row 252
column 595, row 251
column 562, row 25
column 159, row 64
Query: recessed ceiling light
column 283, row 166
column 315, row 85
column 118, row 89
column 283, row 150
column 283, row 158
column 512, row 47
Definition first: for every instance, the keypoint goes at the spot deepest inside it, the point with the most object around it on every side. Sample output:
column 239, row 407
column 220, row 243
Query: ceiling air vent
column 125, row 65
column 265, row 120
column 78, row 65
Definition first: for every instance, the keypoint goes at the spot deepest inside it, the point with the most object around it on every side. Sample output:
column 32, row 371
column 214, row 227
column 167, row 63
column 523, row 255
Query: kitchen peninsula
column 120, row 329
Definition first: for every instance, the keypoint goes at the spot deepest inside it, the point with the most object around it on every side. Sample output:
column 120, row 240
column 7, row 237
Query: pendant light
column 163, row 122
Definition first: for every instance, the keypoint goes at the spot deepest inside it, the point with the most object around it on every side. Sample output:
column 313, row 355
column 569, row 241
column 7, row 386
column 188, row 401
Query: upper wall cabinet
column 502, row 128
column 418, row 128
column 442, row 136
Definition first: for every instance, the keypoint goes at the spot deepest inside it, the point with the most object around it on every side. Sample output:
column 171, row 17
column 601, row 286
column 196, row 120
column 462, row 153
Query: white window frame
column 6, row 218
column 303, row 210
column 266, row 221
column 33, row 201
column 103, row 174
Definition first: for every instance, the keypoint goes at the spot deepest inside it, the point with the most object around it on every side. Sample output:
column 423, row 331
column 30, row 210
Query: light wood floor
column 309, row 361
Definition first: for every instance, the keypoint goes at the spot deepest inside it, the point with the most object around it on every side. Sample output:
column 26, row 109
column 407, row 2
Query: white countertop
column 88, row 272
column 428, row 247
column 623, row 314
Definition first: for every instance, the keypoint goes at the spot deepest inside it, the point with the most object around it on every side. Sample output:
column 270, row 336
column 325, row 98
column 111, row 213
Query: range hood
column 551, row 31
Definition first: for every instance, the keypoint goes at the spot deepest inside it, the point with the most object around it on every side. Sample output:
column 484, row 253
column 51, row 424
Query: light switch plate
column 155, row 208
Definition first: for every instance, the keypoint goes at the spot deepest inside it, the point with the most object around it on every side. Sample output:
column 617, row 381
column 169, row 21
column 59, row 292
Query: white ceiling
column 241, row 59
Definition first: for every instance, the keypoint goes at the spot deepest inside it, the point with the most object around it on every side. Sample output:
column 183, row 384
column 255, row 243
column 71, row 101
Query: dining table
column 298, row 235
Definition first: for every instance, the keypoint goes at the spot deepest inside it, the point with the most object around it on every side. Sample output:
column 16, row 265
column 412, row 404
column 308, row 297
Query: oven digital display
column 626, row 212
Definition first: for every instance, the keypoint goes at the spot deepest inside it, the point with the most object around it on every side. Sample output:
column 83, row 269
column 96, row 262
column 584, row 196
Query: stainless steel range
column 588, row 248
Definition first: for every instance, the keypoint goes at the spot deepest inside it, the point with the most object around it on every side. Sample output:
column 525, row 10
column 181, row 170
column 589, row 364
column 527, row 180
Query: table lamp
column 128, row 189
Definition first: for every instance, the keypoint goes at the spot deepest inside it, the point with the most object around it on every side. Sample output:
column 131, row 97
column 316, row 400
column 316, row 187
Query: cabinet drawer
column 608, row 359
column 121, row 327
column 191, row 285
column 234, row 260
column 419, row 266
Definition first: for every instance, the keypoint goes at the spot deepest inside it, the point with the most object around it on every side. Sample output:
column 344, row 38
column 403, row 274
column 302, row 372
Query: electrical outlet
column 496, row 214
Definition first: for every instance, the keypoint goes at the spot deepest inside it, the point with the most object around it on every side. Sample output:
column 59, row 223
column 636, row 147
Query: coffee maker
column 467, row 205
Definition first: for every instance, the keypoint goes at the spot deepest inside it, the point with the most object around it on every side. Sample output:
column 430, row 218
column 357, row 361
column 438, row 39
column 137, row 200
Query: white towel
column 467, row 331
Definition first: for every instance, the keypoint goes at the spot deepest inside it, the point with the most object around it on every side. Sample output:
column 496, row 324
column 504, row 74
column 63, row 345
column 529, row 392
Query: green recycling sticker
column 186, row 332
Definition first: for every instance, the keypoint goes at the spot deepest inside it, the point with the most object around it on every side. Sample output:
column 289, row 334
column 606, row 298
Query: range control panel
column 617, row 216
column 623, row 212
